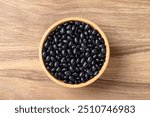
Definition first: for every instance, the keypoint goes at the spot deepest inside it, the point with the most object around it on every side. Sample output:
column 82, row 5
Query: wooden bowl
column 51, row 28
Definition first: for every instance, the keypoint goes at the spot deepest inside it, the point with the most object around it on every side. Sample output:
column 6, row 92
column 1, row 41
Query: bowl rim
column 93, row 25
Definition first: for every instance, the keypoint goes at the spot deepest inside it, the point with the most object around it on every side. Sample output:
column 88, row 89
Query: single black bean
column 69, row 27
column 83, row 80
column 56, row 64
column 44, row 54
column 75, row 74
column 73, row 61
column 82, row 60
column 89, row 59
column 69, row 32
column 71, row 78
column 85, row 64
column 62, row 31
column 67, row 73
column 82, row 35
column 100, row 55
column 75, row 51
column 47, row 58
column 52, row 53
column 46, row 44
column 71, row 68
column 58, row 69
column 87, row 54
column 103, row 51
column 86, row 27
column 77, row 23
column 63, row 52
column 66, row 81
column 89, row 72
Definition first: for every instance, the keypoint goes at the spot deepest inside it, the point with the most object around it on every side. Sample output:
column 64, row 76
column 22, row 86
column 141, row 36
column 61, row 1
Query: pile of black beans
column 74, row 52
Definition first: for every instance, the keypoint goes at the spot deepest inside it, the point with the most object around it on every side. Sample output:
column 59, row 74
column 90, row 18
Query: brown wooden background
column 125, row 22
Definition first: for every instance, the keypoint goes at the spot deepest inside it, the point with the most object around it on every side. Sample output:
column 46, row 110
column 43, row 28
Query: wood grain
column 125, row 22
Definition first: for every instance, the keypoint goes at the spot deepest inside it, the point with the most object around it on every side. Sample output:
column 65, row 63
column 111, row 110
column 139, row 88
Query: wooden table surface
column 125, row 22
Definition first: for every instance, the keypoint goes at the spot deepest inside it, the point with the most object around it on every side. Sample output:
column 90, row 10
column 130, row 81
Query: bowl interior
column 93, row 25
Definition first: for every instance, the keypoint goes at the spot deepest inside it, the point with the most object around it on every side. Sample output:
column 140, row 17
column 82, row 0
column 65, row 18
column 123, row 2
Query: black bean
column 67, row 73
column 46, row 44
column 70, row 43
column 69, row 32
column 71, row 78
column 76, row 40
column 77, row 60
column 94, row 32
column 73, row 28
column 55, row 46
column 74, row 52
column 93, row 68
column 82, row 49
column 63, row 52
column 63, row 60
column 47, row 58
column 79, row 31
column 66, row 81
column 75, row 74
column 76, row 82
column 77, row 69
column 100, row 55
column 51, row 64
column 71, row 82
column 53, row 70
column 81, row 74
column 83, row 80
column 64, row 46
column 82, row 60
column 101, row 40
column 85, row 41
column 44, row 54
column 52, row 53
column 102, row 60
column 95, row 73
column 94, row 56
column 81, row 26
column 93, row 62
column 89, row 59
column 71, row 68
column 58, row 69
column 87, row 54
column 103, row 51
column 64, row 68
column 92, row 37
column 73, row 61
column 56, row 64
column 82, row 35
column 77, row 23
column 86, row 27
column 65, row 41
column 89, row 72
column 97, row 42
column 101, row 46
column 62, row 31
column 52, row 58
column 94, row 51
column 83, row 45
column 87, row 49
column 69, row 27
column 48, row 68
column 85, row 64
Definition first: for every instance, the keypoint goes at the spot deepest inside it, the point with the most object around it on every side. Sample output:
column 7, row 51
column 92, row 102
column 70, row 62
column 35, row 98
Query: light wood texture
column 125, row 22
column 51, row 28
